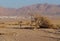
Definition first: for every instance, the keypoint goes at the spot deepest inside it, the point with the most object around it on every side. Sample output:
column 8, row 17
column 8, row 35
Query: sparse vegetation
column 37, row 21
column 58, row 26
column 42, row 22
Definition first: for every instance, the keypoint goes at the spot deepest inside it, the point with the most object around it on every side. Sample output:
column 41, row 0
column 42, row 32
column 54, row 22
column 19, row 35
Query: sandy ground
column 29, row 35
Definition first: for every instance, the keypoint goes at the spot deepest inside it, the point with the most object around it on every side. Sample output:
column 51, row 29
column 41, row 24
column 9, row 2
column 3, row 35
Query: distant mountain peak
column 48, row 9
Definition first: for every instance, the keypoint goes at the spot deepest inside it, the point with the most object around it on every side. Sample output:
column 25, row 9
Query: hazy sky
column 21, row 3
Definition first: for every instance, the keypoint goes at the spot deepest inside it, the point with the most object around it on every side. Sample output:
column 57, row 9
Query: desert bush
column 58, row 26
column 42, row 22
column 45, row 23
column 1, row 33
column 53, row 26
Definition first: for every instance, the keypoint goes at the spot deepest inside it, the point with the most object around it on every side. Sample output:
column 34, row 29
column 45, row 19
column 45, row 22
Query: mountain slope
column 48, row 10
column 43, row 9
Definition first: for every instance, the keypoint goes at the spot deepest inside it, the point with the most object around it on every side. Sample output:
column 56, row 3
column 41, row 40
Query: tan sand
column 29, row 35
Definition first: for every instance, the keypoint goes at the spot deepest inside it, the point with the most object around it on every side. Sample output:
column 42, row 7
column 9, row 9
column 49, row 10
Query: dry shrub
column 58, row 26
column 46, row 23
column 43, row 22
column 1, row 33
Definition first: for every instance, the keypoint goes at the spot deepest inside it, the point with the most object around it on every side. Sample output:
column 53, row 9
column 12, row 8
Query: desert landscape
column 38, row 22
column 29, row 35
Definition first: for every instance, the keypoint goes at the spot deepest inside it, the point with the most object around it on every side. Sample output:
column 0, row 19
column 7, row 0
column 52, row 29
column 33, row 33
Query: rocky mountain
column 43, row 9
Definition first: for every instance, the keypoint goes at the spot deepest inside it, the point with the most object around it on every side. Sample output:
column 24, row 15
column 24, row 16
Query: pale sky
column 21, row 3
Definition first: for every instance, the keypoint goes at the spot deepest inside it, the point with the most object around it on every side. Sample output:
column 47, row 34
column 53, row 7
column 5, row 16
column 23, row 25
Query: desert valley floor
column 29, row 35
